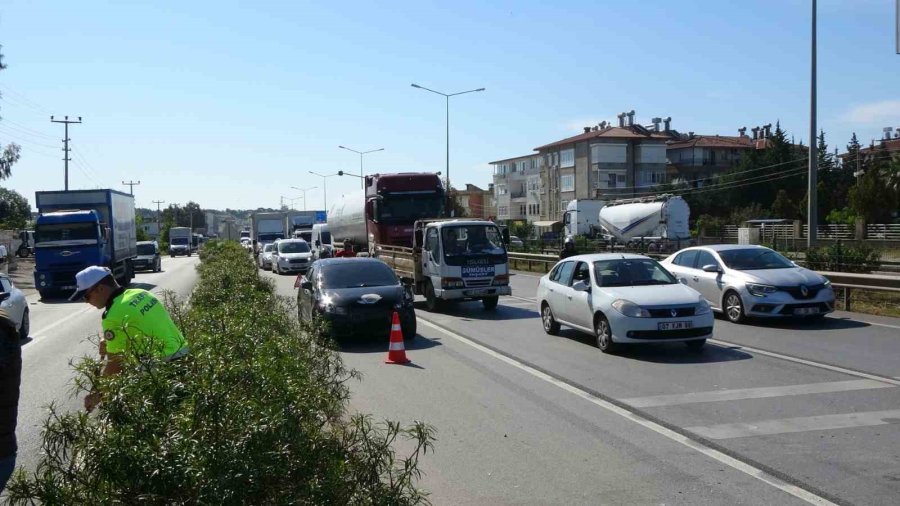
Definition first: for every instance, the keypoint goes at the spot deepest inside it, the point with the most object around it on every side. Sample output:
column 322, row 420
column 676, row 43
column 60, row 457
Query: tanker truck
column 660, row 223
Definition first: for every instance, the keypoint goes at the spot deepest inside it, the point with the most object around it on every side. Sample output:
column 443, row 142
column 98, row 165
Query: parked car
column 291, row 255
column 742, row 281
column 515, row 241
column 264, row 260
column 15, row 305
column 355, row 295
column 147, row 257
column 622, row 299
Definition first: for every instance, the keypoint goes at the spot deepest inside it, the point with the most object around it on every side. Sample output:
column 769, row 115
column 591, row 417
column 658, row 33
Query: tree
column 10, row 154
column 140, row 233
column 784, row 207
column 873, row 197
column 14, row 210
column 454, row 207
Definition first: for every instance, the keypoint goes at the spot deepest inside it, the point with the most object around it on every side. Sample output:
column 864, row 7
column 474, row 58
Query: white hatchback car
column 622, row 298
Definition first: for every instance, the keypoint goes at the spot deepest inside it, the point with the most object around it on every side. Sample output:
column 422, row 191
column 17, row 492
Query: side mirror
column 306, row 285
column 4, row 296
column 581, row 286
column 318, row 243
column 406, row 281
column 711, row 268
column 505, row 236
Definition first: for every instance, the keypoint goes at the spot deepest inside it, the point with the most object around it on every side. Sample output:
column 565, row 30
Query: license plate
column 479, row 291
column 674, row 325
column 69, row 287
column 806, row 310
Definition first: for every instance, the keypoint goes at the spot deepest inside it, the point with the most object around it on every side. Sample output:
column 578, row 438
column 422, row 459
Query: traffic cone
column 396, row 350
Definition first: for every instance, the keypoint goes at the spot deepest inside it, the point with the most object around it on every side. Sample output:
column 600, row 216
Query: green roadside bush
column 256, row 414
column 839, row 257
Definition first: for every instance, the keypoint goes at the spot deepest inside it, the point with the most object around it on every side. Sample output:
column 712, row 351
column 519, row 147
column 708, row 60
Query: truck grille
column 478, row 283
column 298, row 260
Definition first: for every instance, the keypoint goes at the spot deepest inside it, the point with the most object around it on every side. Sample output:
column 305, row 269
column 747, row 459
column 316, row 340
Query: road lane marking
column 878, row 324
column 597, row 399
column 754, row 393
column 800, row 424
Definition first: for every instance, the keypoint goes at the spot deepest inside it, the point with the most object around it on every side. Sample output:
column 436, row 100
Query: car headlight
column 826, row 283
column 628, row 308
column 702, row 307
column 760, row 290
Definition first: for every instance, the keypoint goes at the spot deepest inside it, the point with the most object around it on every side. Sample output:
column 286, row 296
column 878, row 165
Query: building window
column 501, row 189
column 522, row 209
column 562, row 205
column 567, row 183
column 464, row 201
column 503, row 211
column 608, row 153
column 651, row 153
column 653, row 177
column 567, row 157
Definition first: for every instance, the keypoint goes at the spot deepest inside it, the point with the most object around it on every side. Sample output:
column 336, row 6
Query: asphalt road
column 769, row 413
column 60, row 333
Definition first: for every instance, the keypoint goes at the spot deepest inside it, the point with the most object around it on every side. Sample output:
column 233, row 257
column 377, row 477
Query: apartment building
column 697, row 158
column 477, row 202
column 517, row 188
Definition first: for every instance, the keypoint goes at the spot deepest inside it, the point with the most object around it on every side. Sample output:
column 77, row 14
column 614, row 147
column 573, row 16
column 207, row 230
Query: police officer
column 568, row 248
column 134, row 321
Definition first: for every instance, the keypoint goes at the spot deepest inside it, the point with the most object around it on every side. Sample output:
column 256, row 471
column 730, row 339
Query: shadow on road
column 470, row 311
column 373, row 345
column 827, row 323
column 142, row 286
column 664, row 353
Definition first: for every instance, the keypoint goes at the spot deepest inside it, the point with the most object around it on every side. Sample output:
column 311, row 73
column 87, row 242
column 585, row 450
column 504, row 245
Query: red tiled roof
column 712, row 141
column 633, row 132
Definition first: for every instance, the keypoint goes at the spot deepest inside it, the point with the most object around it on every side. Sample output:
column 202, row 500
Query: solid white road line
column 754, row 393
column 800, row 424
column 717, row 455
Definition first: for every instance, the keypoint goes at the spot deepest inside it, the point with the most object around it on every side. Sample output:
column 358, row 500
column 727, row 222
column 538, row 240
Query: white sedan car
column 622, row 299
column 15, row 305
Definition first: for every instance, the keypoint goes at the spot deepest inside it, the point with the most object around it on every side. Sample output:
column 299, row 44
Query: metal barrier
column 844, row 280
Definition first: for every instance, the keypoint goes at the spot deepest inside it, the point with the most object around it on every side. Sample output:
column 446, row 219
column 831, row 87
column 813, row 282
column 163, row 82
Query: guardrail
column 845, row 280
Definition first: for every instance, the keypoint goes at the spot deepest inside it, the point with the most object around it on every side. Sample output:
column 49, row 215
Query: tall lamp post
column 304, row 190
column 324, row 187
column 447, row 97
column 812, row 205
column 361, row 153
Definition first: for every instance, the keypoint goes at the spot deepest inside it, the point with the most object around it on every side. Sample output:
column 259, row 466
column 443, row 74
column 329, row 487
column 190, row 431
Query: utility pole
column 158, row 230
column 66, row 140
column 131, row 185
column 813, row 147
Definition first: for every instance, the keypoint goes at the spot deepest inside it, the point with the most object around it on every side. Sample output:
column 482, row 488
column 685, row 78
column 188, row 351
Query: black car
column 356, row 296
column 147, row 257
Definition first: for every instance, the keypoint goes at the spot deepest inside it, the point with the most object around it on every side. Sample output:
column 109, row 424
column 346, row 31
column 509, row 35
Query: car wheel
column 25, row 327
column 490, row 302
column 604, row 335
column 696, row 344
column 431, row 301
column 734, row 307
column 551, row 326
column 408, row 327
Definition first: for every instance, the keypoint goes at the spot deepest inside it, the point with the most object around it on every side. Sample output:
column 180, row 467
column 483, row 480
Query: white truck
column 180, row 239
column 322, row 246
column 453, row 260
column 660, row 223
column 582, row 217
column 268, row 227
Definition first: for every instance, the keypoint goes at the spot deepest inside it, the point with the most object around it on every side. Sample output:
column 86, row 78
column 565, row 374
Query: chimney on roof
column 755, row 132
column 656, row 122
column 621, row 117
column 668, row 123
column 690, row 135
column 587, row 129
column 742, row 131
column 887, row 132
column 767, row 129
column 631, row 118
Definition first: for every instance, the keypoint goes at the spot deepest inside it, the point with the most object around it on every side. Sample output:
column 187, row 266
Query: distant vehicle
column 180, row 239
column 268, row 227
column 304, row 233
column 515, row 241
column 291, row 255
column 264, row 260
column 26, row 248
column 148, row 256
column 355, row 296
column 79, row 228
column 196, row 240
column 322, row 245
column 582, row 217
column 752, row 281
column 622, row 299
column 660, row 222
column 247, row 243
column 245, row 234
column 15, row 305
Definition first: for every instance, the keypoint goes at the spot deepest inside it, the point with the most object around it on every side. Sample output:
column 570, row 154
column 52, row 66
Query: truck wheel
column 431, row 301
column 490, row 303
column 45, row 294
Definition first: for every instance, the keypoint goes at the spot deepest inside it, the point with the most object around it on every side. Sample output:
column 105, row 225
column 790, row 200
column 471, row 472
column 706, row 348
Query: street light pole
column 361, row 153
column 304, row 190
column 324, row 187
column 813, row 146
column 447, row 97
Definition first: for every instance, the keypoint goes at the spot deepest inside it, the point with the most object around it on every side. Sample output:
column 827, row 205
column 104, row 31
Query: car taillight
column 449, row 283
column 501, row 280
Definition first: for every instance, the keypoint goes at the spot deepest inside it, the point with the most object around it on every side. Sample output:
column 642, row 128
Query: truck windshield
column 179, row 240
column 325, row 237
column 270, row 237
column 66, row 232
column 409, row 208
column 357, row 274
column 472, row 240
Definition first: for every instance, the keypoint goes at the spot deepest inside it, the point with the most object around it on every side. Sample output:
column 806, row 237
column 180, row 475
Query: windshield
column 409, row 208
column 66, row 232
column 752, row 259
column 631, row 272
column 357, row 274
column 179, row 240
column 326, row 237
column 293, row 247
column 245, row 234
column 268, row 248
column 472, row 240
column 270, row 237
column 146, row 249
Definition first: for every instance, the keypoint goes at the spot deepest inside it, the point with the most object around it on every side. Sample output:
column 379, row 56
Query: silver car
column 264, row 261
column 745, row 280
column 15, row 305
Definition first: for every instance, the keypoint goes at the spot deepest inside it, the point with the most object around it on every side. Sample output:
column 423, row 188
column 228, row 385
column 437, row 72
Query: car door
column 577, row 306
column 682, row 266
column 14, row 305
column 559, row 288
column 709, row 284
column 431, row 260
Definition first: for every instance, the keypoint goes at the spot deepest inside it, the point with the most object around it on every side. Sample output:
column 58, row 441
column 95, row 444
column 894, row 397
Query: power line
column 131, row 185
column 27, row 102
column 66, row 140
column 18, row 136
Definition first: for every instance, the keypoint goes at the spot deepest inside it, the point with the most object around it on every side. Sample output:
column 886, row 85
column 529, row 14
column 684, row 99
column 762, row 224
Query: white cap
column 87, row 278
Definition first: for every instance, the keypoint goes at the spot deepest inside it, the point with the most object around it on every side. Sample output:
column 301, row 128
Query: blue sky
column 232, row 103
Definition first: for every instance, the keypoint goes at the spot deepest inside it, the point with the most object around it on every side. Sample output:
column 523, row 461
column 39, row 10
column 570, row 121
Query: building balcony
column 517, row 195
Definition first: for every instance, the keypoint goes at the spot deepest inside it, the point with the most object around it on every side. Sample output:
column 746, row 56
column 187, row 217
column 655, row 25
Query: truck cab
column 66, row 242
column 460, row 259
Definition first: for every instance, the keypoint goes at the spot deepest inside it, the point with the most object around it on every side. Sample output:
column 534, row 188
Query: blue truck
column 75, row 229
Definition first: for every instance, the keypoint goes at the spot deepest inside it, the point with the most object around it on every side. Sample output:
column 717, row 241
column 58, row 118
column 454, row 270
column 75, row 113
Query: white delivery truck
column 322, row 246
column 268, row 227
column 453, row 259
column 180, row 239
column 660, row 223
column 582, row 217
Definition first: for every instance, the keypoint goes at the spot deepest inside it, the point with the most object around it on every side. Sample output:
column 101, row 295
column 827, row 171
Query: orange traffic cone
column 396, row 350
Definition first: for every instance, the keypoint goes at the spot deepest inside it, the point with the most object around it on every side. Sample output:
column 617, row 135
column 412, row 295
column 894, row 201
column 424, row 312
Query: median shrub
column 256, row 414
column 839, row 257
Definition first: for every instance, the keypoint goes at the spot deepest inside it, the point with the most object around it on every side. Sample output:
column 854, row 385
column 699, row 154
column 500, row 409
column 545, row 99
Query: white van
column 322, row 245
